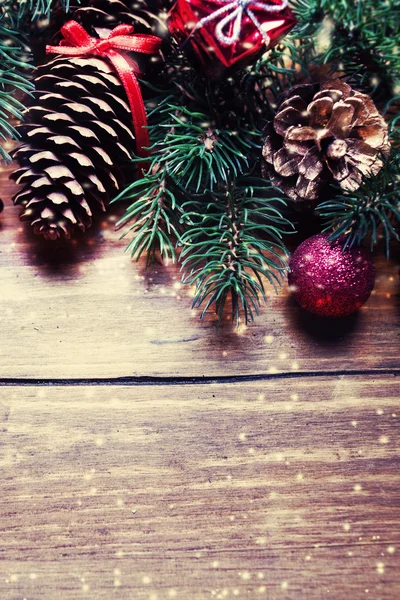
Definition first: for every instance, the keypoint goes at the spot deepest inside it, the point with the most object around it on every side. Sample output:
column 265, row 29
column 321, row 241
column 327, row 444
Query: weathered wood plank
column 84, row 310
column 278, row 490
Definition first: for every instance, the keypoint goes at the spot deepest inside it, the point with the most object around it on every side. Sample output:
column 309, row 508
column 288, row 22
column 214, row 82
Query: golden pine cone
column 323, row 134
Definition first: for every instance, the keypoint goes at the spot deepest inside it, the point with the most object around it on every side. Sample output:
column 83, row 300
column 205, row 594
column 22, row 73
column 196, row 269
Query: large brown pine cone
column 322, row 134
column 78, row 136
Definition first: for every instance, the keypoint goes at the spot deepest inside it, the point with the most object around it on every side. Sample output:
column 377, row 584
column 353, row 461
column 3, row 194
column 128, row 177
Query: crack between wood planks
column 197, row 380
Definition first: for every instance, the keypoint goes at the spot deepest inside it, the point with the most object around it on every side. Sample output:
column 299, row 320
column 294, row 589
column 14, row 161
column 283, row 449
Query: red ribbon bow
column 120, row 38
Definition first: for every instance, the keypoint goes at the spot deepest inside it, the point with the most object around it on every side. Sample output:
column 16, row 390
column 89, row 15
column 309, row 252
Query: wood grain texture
column 272, row 490
column 83, row 309
column 284, row 488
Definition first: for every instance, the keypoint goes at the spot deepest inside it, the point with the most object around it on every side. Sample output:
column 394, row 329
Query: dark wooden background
column 143, row 455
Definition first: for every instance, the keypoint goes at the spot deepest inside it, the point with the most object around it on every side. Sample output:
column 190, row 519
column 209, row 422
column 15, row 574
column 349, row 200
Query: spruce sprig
column 35, row 9
column 359, row 38
column 276, row 72
column 15, row 59
column 153, row 216
column 190, row 156
column 196, row 152
column 232, row 245
column 14, row 73
column 373, row 208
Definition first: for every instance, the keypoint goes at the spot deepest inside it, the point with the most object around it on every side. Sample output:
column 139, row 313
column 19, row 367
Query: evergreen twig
column 153, row 216
column 373, row 208
column 357, row 37
column 232, row 244
column 36, row 9
column 14, row 73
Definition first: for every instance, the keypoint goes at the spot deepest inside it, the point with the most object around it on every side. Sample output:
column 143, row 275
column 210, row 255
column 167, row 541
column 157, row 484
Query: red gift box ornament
column 223, row 33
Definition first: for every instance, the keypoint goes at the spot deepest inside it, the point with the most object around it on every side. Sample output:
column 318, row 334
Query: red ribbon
column 120, row 38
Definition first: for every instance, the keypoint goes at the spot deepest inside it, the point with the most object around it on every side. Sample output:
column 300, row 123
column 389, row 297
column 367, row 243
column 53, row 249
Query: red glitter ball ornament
column 329, row 281
column 223, row 33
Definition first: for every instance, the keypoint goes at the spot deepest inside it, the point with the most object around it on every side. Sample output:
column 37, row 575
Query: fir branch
column 310, row 15
column 231, row 245
column 15, row 59
column 357, row 37
column 196, row 153
column 14, row 73
column 153, row 216
column 36, row 9
column 276, row 72
column 374, row 207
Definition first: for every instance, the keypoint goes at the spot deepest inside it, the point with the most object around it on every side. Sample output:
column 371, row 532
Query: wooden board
column 143, row 455
column 270, row 490
column 83, row 310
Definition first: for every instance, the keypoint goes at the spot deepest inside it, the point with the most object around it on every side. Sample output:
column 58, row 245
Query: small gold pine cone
column 322, row 134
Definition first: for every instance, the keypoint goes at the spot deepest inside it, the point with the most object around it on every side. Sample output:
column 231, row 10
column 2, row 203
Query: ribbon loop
column 74, row 33
column 232, row 12
column 122, row 30
column 77, row 42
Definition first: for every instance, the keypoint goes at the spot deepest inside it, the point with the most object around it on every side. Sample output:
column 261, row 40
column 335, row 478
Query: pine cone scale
column 320, row 111
column 340, row 123
column 284, row 163
column 310, row 166
column 287, row 118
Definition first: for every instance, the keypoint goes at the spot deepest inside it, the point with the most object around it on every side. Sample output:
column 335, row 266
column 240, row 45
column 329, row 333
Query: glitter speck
column 380, row 568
